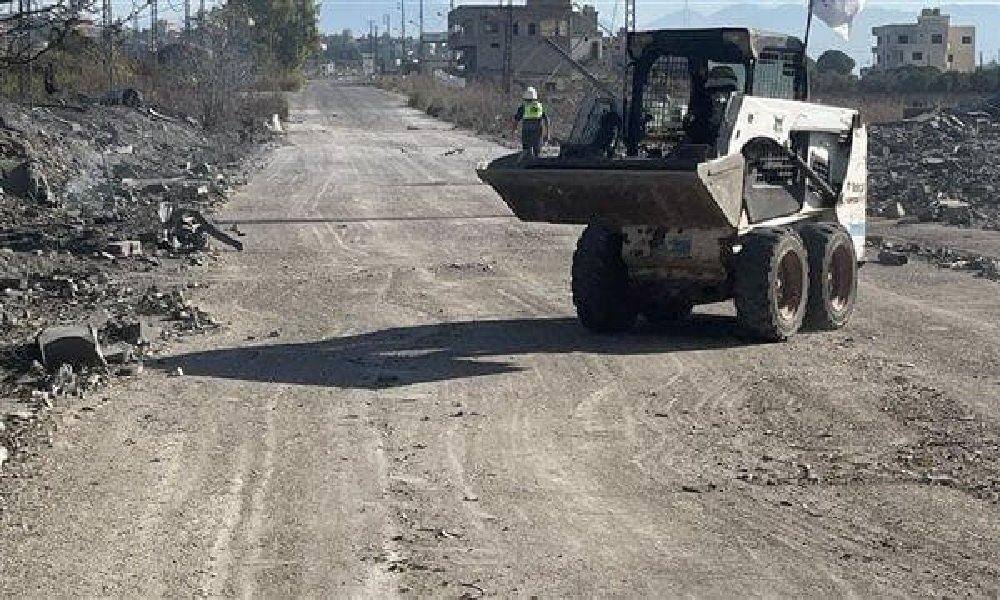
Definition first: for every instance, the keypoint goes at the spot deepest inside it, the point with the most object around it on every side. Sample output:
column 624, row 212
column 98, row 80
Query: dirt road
column 402, row 404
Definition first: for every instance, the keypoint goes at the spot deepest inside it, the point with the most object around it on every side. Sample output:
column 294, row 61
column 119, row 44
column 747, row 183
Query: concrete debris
column 80, row 192
column 184, row 229
column 26, row 179
column 890, row 257
column 937, row 167
column 274, row 124
column 125, row 248
column 119, row 353
column 75, row 345
column 123, row 97
column 899, row 253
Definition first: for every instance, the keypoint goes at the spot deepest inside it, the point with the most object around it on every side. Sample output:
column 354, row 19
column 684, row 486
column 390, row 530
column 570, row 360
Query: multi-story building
column 478, row 34
column 930, row 42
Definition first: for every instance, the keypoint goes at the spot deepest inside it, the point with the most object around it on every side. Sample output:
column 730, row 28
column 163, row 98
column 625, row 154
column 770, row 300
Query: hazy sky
column 354, row 14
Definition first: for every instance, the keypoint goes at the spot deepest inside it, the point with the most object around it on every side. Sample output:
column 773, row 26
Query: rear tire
column 833, row 275
column 600, row 281
column 771, row 284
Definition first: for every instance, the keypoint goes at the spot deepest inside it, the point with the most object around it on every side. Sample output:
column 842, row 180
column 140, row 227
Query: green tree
column 284, row 30
column 835, row 61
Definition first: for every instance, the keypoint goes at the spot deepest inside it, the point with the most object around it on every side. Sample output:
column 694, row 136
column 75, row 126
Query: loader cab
column 685, row 80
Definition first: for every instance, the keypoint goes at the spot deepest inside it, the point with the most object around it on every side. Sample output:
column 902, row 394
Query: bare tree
column 36, row 27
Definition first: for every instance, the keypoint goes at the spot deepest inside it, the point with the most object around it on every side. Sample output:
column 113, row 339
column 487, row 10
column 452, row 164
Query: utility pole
column 630, row 15
column 508, row 42
column 154, row 16
column 420, row 40
column 135, row 24
column 388, row 38
column 24, row 37
column 109, row 43
column 187, row 17
column 402, row 18
column 201, row 14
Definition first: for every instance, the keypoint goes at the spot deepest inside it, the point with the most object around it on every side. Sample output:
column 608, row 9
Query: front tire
column 833, row 275
column 771, row 284
column 600, row 281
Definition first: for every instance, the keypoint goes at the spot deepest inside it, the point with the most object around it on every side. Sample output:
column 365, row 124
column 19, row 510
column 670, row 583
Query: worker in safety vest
column 534, row 123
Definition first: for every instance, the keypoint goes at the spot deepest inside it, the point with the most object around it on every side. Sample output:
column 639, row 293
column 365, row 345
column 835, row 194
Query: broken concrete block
column 75, row 345
column 28, row 181
column 125, row 248
column 895, row 210
column 138, row 333
column 892, row 258
column 119, row 353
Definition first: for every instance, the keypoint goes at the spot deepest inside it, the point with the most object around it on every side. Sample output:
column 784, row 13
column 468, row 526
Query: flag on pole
column 838, row 14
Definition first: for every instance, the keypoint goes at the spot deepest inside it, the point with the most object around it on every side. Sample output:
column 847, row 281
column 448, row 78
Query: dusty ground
column 403, row 405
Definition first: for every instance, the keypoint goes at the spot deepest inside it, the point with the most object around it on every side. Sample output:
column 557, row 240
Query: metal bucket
column 620, row 192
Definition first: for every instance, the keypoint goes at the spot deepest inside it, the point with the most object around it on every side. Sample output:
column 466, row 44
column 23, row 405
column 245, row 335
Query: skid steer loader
column 730, row 184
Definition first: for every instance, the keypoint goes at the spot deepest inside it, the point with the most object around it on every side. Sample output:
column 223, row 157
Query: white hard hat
column 530, row 93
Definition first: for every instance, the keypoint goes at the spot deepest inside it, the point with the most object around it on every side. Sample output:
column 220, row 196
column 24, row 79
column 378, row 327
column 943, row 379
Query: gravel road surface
column 403, row 405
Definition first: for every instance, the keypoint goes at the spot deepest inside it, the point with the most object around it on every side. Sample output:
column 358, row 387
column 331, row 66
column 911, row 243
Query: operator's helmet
column 530, row 93
column 722, row 78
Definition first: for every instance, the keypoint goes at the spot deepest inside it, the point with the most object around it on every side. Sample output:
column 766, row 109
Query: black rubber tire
column 771, row 293
column 667, row 312
column 833, row 275
column 601, row 291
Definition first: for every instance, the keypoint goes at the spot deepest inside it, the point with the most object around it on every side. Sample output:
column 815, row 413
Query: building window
column 951, row 58
column 966, row 39
column 490, row 27
column 918, row 56
column 495, row 45
column 937, row 38
column 517, row 27
column 532, row 28
column 903, row 39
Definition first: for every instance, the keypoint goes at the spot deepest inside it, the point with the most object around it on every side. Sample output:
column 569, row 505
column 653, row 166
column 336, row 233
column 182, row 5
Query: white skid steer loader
column 731, row 185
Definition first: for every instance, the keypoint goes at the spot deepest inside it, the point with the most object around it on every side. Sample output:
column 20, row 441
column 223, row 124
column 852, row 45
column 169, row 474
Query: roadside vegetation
column 232, row 68
column 483, row 106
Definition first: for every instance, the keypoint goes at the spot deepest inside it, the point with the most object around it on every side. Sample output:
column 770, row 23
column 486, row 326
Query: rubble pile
column 93, row 199
column 938, row 167
column 897, row 253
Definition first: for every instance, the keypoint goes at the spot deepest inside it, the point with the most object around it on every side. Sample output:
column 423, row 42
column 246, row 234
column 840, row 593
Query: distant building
column 930, row 42
column 477, row 38
column 433, row 51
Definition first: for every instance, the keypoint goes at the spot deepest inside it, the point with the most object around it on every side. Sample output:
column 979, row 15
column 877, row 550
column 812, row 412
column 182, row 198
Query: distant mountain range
column 791, row 18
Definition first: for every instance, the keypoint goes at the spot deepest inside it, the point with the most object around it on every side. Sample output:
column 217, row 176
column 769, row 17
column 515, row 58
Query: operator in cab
column 534, row 122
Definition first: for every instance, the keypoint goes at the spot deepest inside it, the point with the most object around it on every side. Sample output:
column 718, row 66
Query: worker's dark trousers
column 531, row 138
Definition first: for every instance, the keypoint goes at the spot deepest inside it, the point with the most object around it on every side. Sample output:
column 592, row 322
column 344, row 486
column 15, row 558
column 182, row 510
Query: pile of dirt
column 937, row 167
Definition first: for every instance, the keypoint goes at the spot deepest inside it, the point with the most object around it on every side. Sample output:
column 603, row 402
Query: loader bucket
column 620, row 192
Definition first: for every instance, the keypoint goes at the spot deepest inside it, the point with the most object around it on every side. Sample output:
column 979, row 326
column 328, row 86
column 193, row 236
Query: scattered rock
column 892, row 258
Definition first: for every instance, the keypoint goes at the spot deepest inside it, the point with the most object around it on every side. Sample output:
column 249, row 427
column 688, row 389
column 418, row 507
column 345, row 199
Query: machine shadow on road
column 401, row 356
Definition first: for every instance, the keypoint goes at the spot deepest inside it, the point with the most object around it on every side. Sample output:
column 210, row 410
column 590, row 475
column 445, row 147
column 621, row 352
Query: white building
column 930, row 42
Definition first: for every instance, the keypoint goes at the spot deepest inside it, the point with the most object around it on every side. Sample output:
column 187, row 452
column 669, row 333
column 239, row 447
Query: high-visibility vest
column 533, row 110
